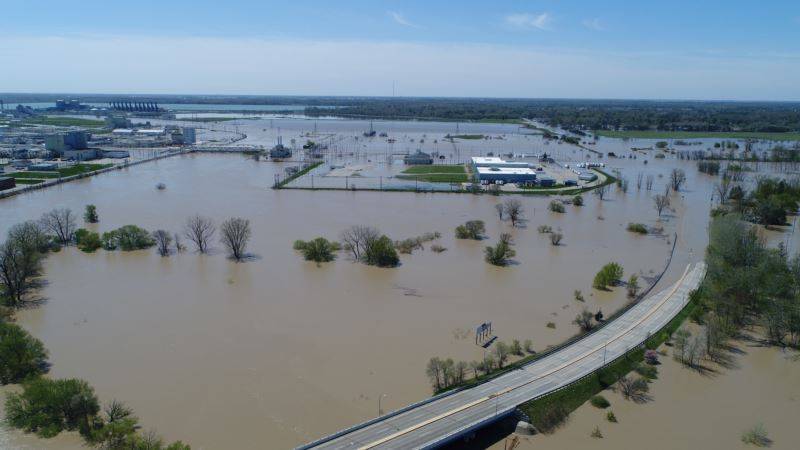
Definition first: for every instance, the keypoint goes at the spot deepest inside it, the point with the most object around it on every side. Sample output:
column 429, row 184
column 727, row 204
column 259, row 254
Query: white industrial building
column 493, row 161
column 506, row 174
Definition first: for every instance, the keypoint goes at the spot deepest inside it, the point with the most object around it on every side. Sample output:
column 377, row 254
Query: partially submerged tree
column 499, row 208
column 61, row 223
column 661, row 202
column 500, row 254
column 634, row 389
column 514, row 210
column 22, row 355
column 21, row 258
column 355, row 238
column 555, row 238
column 601, row 191
column 163, row 241
column 584, row 320
column 200, row 230
column 633, row 285
column 609, row 275
column 380, row 251
column 235, row 233
column 318, row 250
column 90, row 215
column 676, row 179
column 473, row 229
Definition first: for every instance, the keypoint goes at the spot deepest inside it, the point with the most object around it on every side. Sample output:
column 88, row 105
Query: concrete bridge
column 444, row 418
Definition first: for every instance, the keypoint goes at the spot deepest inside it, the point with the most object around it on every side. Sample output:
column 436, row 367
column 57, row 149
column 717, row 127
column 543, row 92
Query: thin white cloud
column 541, row 21
column 133, row 64
column 400, row 19
column 594, row 24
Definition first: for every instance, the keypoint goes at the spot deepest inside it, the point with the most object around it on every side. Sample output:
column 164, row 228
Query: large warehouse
column 493, row 169
column 506, row 174
column 493, row 161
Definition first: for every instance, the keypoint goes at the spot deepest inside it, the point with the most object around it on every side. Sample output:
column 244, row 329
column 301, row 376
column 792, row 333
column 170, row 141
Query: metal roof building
column 506, row 174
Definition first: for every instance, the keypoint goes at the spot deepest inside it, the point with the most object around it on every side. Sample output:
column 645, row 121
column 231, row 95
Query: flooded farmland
column 279, row 350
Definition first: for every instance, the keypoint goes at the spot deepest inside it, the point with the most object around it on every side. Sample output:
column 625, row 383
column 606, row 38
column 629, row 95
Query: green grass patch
column 38, row 175
column 65, row 122
column 82, row 168
column 297, row 175
column 437, row 177
column 652, row 134
column 28, row 181
column 456, row 168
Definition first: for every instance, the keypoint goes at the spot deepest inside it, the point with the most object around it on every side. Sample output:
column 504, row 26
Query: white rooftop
column 506, row 170
column 486, row 160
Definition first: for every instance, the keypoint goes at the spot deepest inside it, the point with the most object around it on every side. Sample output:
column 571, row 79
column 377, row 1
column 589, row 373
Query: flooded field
column 694, row 410
column 281, row 351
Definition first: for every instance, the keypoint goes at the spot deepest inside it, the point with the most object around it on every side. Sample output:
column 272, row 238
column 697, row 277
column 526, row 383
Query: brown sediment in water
column 690, row 409
column 279, row 350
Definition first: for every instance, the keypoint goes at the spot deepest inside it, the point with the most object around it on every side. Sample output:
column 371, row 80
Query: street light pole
column 380, row 397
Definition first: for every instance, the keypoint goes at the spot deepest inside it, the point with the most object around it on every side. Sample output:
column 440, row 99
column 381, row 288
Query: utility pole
column 380, row 410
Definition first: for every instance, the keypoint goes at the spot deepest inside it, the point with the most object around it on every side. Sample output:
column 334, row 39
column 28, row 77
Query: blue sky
column 536, row 48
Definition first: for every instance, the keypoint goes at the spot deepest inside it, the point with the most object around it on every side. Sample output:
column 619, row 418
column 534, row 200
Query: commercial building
column 71, row 140
column 80, row 154
column 506, row 174
column 492, row 161
column 189, row 135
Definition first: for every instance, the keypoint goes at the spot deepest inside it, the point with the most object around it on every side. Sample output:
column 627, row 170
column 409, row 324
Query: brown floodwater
column 280, row 351
column 690, row 409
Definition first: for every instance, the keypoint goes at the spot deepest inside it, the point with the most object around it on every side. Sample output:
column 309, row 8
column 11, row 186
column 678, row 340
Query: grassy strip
column 437, row 177
column 568, row 399
column 65, row 172
column 82, row 168
column 297, row 175
column 65, row 122
column 28, row 181
column 24, row 175
column 651, row 134
column 455, row 168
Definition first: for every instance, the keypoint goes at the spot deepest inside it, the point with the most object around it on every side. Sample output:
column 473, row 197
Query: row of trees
column 48, row 407
column 747, row 283
column 767, row 204
column 45, row 406
column 447, row 373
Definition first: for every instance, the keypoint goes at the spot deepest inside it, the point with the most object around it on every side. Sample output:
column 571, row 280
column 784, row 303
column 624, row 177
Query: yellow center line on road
column 511, row 388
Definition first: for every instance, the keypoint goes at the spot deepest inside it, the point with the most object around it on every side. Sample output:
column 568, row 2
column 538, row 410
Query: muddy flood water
column 275, row 351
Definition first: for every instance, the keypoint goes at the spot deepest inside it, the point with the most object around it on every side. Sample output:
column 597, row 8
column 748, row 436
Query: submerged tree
column 317, row 250
column 61, row 223
column 163, row 241
column 473, row 229
column 500, row 254
column 235, row 234
column 21, row 262
column 355, row 238
column 22, row 355
column 584, row 320
column 514, row 211
column 661, row 201
column 380, row 252
column 676, row 179
column 200, row 230
column 90, row 215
